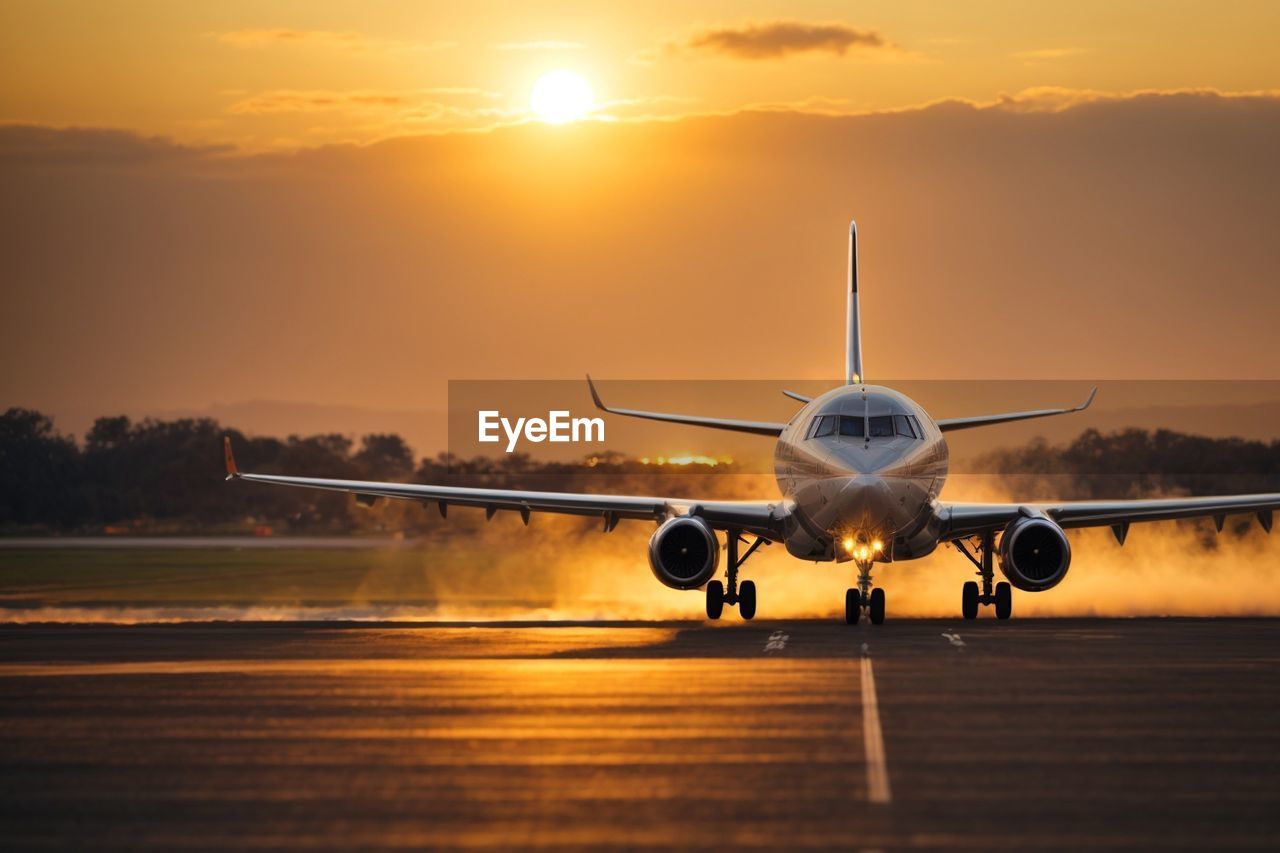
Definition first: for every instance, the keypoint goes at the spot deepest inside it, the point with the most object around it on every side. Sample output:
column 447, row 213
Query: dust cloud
column 1165, row 569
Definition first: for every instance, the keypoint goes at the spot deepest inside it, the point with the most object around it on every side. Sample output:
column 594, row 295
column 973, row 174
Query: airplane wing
column 948, row 424
column 765, row 519
column 967, row 519
column 757, row 427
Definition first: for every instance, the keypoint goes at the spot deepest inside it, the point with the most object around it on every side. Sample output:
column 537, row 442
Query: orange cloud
column 1054, row 99
column 412, row 103
column 291, row 101
column 779, row 39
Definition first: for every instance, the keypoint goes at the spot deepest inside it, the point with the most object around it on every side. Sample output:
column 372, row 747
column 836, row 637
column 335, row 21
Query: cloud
column 1053, row 99
column 820, row 105
column 539, row 45
column 344, row 40
column 1037, row 99
column 315, row 100
column 278, row 101
column 31, row 143
column 779, row 39
column 640, row 109
column 1050, row 53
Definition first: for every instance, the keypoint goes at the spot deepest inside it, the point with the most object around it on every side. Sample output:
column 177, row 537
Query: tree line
column 1136, row 463
column 167, row 475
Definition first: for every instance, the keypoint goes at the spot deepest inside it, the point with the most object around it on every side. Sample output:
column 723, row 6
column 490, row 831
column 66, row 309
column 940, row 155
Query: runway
column 1050, row 734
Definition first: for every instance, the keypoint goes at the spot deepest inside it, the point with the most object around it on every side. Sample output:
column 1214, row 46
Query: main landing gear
column 971, row 597
column 731, row 592
column 864, row 598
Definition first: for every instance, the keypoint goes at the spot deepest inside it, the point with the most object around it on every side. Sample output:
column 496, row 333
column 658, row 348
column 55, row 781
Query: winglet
column 794, row 396
column 232, row 470
column 1089, row 402
column 595, row 395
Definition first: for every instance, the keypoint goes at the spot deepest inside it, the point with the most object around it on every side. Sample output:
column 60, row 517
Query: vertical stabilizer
column 853, row 329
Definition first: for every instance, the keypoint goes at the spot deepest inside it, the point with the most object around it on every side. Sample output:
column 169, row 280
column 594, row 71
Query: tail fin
column 853, row 330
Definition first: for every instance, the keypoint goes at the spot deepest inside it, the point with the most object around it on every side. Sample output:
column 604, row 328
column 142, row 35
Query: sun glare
column 561, row 96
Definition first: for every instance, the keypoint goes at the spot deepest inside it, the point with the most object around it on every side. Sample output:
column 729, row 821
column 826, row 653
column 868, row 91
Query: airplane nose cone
column 880, row 457
column 864, row 494
column 863, row 486
column 859, row 460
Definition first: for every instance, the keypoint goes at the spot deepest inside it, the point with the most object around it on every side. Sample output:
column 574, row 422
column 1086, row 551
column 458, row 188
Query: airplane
column 860, row 469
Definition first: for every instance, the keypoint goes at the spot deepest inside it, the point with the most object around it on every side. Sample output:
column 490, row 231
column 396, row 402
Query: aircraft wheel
column 852, row 606
column 969, row 600
column 715, row 599
column 877, row 606
column 747, row 600
column 1004, row 600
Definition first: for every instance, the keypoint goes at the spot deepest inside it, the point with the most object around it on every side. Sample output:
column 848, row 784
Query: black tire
column 852, row 606
column 715, row 599
column 1004, row 600
column 969, row 600
column 747, row 600
column 876, row 607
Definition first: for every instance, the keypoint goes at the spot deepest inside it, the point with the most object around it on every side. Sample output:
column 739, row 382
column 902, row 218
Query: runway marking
column 777, row 642
column 954, row 639
column 872, row 737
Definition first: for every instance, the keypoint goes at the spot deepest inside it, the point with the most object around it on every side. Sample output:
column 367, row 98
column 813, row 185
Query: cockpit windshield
column 855, row 426
column 881, row 426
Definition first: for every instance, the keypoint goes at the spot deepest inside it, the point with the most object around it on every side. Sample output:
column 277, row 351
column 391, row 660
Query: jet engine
column 1034, row 554
column 684, row 553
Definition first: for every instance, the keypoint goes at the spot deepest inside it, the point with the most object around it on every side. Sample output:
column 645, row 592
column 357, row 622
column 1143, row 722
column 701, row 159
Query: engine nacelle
column 1034, row 554
column 684, row 553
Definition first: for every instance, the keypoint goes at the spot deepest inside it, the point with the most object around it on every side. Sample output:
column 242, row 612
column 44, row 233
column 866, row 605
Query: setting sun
column 560, row 97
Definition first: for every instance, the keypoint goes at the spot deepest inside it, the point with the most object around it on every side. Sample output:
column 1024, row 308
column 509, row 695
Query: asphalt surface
column 1062, row 734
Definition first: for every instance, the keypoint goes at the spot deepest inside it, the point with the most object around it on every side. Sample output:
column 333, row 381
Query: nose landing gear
column 971, row 597
column 864, row 598
column 743, row 595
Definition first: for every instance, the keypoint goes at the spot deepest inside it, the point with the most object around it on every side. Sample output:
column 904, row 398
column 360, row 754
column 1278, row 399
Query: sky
column 288, row 74
column 350, row 204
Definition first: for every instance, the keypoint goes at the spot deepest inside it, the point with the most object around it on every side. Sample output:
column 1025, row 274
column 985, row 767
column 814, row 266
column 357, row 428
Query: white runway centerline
column 873, row 739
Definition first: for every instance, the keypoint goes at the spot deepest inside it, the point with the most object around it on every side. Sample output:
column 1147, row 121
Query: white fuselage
column 863, row 465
